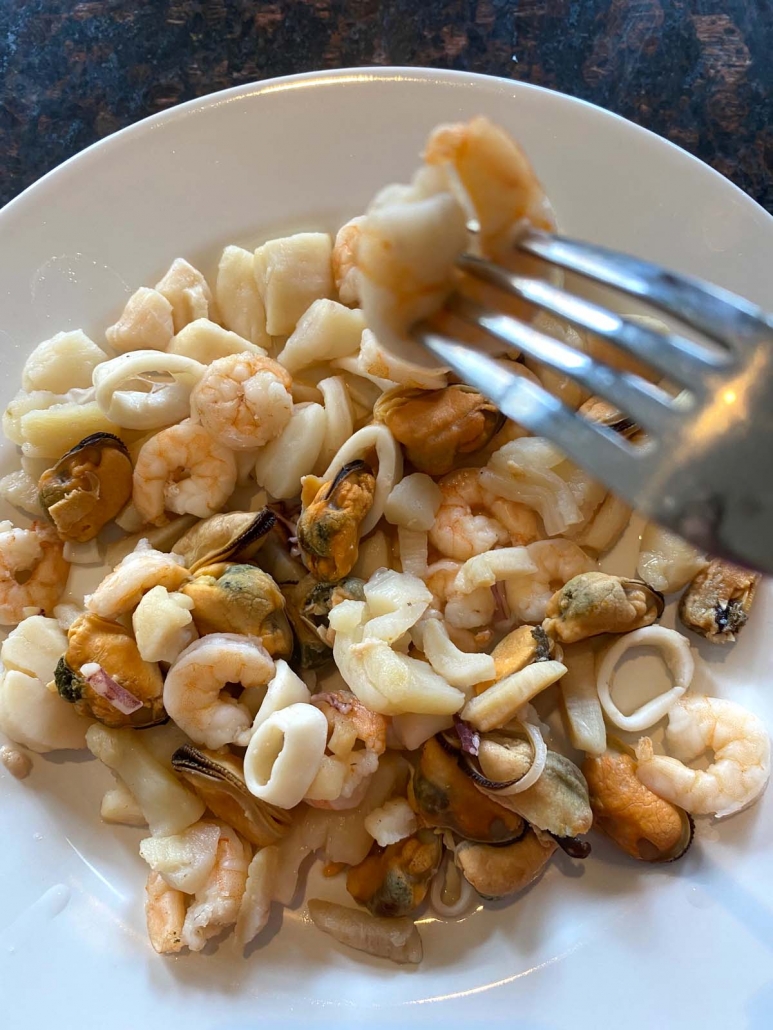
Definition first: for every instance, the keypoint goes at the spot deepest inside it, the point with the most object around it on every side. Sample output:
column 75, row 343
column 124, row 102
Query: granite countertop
column 696, row 71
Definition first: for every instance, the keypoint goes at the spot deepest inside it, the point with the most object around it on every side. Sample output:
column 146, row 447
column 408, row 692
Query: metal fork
column 705, row 469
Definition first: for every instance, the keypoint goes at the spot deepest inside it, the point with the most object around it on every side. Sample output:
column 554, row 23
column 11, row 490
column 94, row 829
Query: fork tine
column 641, row 401
column 672, row 355
column 599, row 450
column 719, row 314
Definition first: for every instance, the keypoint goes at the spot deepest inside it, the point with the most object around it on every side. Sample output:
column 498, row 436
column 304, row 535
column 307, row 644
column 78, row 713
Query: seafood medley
column 350, row 610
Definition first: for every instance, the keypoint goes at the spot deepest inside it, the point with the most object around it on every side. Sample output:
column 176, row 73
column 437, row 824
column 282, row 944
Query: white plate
column 591, row 945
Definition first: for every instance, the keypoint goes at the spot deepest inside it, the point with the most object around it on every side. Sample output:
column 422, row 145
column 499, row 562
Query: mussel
column 308, row 605
column 310, row 651
column 495, row 872
column 442, row 795
column 218, row 779
column 393, row 881
column 329, row 524
column 121, row 680
column 233, row 598
column 520, row 648
column 234, row 535
column 556, row 803
column 718, row 601
column 641, row 823
column 87, row 487
column 277, row 556
column 596, row 602
column 435, row 427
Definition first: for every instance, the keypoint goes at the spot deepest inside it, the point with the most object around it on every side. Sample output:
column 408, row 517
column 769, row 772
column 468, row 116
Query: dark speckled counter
column 699, row 72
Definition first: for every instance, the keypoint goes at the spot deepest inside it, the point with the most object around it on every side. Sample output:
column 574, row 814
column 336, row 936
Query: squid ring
column 679, row 659
column 169, row 379
column 285, row 754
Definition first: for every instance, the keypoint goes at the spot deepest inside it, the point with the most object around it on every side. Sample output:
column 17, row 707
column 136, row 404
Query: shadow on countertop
column 699, row 72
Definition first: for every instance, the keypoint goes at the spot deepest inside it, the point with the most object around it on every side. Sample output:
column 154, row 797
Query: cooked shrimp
column 33, row 571
column 499, row 189
column 341, row 783
column 244, row 400
column 557, row 562
column 497, row 178
column 345, row 272
column 472, row 519
column 141, row 570
column 440, row 579
column 165, row 915
column 182, row 469
column 412, row 235
column 351, row 721
column 467, row 616
column 741, row 766
column 216, row 905
column 194, row 690
column 405, row 252
column 470, row 611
